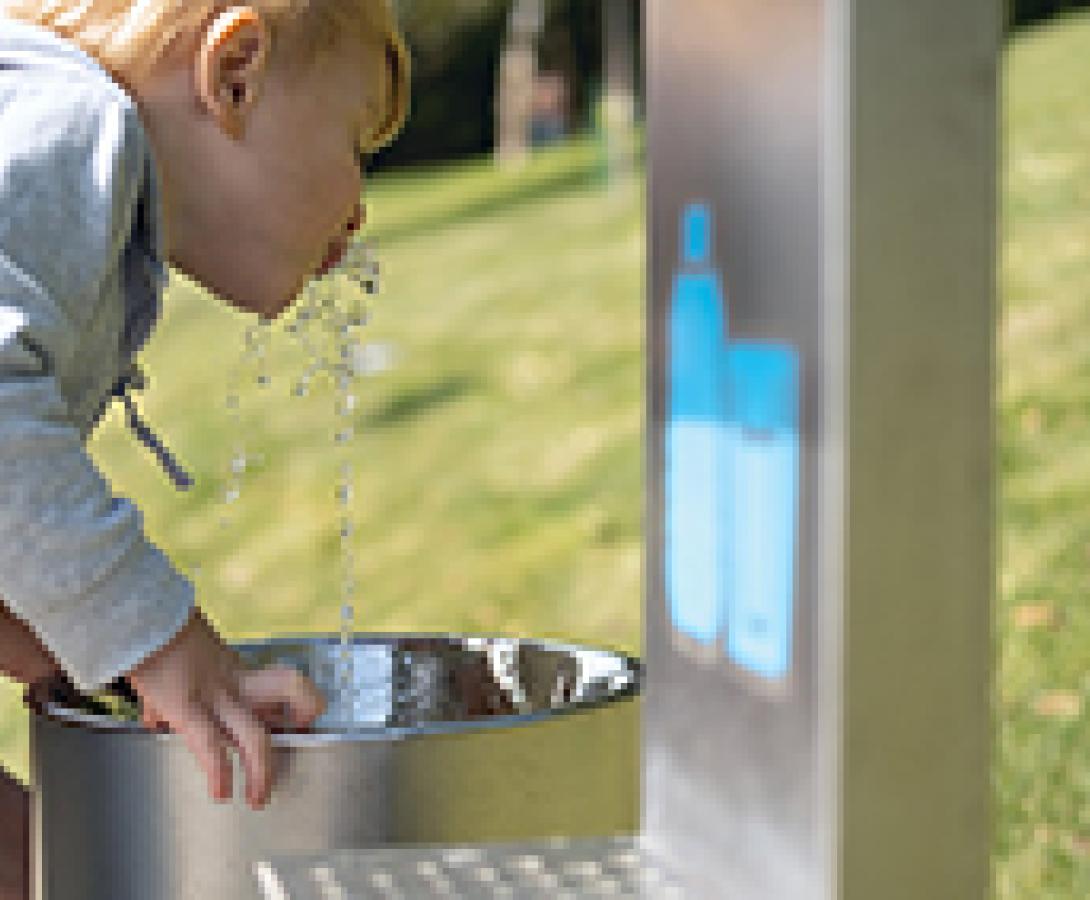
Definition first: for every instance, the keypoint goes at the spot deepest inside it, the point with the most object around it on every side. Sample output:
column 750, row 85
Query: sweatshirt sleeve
column 74, row 562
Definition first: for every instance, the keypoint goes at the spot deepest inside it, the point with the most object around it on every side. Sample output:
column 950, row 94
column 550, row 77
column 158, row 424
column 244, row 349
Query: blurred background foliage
column 1027, row 12
column 456, row 47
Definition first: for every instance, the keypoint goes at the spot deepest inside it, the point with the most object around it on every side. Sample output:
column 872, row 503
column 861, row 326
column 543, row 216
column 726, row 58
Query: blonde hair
column 130, row 36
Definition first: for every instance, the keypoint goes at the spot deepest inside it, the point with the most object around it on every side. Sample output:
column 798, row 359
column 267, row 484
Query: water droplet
column 231, row 496
column 344, row 492
column 263, row 380
column 343, row 437
column 238, row 464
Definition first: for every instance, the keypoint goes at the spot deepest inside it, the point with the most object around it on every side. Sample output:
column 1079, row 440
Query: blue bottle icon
column 694, row 435
column 760, row 489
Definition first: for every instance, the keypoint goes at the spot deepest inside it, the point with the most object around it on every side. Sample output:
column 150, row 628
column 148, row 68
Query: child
column 227, row 140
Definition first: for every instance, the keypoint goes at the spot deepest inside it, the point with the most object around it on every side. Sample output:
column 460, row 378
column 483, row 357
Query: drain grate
column 557, row 870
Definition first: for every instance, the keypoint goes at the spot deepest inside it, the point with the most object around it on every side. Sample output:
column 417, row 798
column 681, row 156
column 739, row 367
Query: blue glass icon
column 694, row 435
column 760, row 503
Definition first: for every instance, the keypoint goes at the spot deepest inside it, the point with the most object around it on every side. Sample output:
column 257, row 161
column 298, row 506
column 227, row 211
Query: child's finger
column 283, row 685
column 148, row 718
column 254, row 744
column 273, row 715
column 205, row 742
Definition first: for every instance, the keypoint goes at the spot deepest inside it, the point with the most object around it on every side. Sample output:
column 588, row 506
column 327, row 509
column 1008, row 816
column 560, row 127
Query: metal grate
column 557, row 870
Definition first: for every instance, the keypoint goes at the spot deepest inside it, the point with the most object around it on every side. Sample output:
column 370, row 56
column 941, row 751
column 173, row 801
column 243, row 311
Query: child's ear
column 230, row 66
column 397, row 95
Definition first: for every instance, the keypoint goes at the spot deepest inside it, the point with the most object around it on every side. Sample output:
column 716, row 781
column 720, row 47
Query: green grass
column 1042, row 774
column 499, row 464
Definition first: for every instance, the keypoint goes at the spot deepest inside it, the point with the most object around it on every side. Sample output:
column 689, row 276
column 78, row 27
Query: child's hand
column 203, row 690
column 22, row 656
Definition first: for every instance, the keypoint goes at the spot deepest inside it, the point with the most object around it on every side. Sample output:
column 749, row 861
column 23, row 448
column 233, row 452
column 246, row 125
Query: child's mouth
column 336, row 251
column 338, row 247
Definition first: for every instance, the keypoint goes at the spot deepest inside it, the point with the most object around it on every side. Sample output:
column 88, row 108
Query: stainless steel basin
column 451, row 739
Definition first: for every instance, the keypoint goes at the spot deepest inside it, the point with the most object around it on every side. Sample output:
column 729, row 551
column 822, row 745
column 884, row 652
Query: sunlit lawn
column 499, row 482
column 1043, row 755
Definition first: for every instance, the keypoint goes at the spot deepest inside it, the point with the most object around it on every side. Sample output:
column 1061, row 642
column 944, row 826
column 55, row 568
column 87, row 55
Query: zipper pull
column 182, row 480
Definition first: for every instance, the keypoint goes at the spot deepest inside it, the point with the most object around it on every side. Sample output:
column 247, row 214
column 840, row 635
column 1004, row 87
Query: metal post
column 821, row 334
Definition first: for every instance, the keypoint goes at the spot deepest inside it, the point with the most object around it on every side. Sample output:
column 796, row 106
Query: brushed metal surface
column 735, row 107
column 847, row 151
column 457, row 739
column 920, row 261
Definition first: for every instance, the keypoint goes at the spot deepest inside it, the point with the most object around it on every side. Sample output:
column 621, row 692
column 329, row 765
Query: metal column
column 821, row 500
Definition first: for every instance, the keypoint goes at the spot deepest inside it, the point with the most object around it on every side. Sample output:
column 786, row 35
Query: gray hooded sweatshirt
column 81, row 277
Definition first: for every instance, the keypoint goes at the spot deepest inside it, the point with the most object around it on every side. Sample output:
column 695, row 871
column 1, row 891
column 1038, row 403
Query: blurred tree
column 619, row 87
column 456, row 48
column 1025, row 12
column 437, row 26
column 515, row 80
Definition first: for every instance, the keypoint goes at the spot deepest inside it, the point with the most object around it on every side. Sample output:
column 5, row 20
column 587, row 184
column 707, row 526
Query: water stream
column 325, row 321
